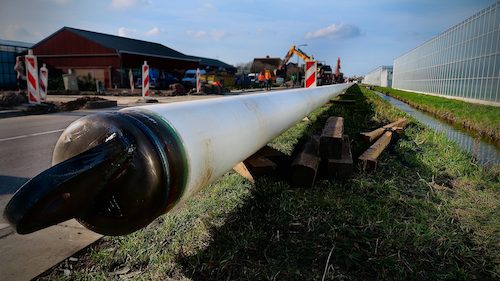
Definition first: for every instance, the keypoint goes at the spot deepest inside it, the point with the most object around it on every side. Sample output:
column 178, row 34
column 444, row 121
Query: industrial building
column 463, row 62
column 105, row 57
column 380, row 76
column 8, row 52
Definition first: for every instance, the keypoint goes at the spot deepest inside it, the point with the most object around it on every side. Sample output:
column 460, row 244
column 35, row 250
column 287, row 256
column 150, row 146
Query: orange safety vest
column 261, row 77
column 268, row 75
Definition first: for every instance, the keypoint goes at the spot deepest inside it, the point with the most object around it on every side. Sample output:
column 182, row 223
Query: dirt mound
column 11, row 99
column 177, row 89
column 77, row 104
column 42, row 108
column 213, row 89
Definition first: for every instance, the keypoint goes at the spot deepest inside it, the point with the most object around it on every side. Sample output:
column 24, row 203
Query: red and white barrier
column 44, row 80
column 32, row 77
column 311, row 67
column 145, row 80
column 198, row 81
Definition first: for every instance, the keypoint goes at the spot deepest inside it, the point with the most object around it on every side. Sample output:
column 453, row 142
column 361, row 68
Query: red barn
column 107, row 58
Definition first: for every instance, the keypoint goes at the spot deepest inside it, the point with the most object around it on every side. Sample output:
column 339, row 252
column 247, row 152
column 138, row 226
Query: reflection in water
column 485, row 153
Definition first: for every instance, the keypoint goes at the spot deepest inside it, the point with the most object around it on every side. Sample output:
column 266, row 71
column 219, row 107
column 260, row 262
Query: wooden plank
column 304, row 167
column 369, row 157
column 369, row 137
column 342, row 168
column 241, row 169
column 330, row 142
column 265, row 162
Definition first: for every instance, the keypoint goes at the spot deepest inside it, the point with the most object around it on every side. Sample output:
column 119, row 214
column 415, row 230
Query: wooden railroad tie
column 383, row 135
column 305, row 166
column 265, row 162
column 343, row 167
column 330, row 142
column 369, row 137
column 369, row 157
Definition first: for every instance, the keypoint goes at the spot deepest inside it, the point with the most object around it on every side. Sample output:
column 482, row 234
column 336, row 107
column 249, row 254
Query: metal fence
column 462, row 62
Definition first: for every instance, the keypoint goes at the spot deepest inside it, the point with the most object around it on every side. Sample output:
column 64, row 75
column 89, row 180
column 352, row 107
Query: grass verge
column 427, row 213
column 482, row 119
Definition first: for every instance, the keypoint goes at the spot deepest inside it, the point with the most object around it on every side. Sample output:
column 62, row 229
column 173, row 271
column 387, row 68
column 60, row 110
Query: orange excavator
column 281, row 71
column 325, row 75
column 297, row 52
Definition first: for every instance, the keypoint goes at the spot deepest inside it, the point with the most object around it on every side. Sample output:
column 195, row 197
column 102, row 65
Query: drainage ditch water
column 487, row 154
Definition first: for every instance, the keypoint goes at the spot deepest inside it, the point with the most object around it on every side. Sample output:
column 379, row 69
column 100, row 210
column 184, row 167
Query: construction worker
column 261, row 79
column 269, row 80
column 20, row 70
column 294, row 79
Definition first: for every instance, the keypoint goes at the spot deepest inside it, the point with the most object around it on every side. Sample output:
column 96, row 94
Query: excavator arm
column 297, row 52
column 302, row 55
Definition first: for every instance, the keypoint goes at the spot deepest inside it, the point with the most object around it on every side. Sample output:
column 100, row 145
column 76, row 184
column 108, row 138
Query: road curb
column 11, row 113
column 100, row 104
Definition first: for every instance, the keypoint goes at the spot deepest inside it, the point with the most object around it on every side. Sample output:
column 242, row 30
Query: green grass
column 482, row 119
column 427, row 213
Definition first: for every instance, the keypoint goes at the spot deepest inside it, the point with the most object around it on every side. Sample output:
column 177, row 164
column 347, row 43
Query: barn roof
column 127, row 45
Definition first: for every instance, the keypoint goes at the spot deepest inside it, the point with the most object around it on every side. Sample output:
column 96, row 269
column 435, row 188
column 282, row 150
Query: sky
column 363, row 33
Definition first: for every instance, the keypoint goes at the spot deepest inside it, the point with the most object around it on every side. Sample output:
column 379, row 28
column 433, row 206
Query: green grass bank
column 481, row 119
column 427, row 213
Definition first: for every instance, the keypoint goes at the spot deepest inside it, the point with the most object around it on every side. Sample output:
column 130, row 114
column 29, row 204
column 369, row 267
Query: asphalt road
column 26, row 146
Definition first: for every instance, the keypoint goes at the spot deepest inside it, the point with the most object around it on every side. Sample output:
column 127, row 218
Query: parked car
column 189, row 79
column 164, row 80
column 254, row 80
column 280, row 81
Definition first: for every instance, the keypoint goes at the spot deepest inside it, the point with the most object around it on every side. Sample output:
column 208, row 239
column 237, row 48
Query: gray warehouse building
column 463, row 62
column 8, row 52
column 380, row 76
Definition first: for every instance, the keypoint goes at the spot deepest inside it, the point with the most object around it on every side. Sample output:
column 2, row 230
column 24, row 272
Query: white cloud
column 218, row 34
column 335, row 31
column 197, row 33
column 16, row 32
column 215, row 34
column 61, row 2
column 126, row 32
column 127, row 3
column 208, row 5
column 134, row 33
column 153, row 31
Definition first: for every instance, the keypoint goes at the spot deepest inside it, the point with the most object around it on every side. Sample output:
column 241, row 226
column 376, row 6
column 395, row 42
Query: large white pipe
column 219, row 133
column 116, row 172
